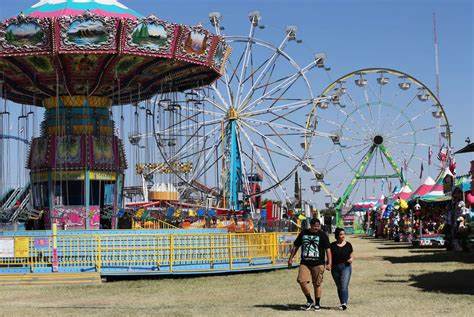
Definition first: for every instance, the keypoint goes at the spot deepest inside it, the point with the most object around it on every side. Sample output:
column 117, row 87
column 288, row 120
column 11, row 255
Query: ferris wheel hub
column 378, row 140
column 232, row 114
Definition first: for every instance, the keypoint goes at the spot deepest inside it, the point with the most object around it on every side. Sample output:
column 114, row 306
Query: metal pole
column 436, row 54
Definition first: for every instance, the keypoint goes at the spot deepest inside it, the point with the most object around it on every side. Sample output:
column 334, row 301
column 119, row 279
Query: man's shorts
column 307, row 274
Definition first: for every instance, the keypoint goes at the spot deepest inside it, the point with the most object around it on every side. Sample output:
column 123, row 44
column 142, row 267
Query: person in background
column 315, row 257
column 341, row 271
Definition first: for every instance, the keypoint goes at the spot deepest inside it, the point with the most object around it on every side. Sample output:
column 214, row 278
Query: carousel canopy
column 58, row 8
column 102, row 48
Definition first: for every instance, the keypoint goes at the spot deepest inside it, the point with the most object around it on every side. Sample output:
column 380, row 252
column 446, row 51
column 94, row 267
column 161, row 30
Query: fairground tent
column 424, row 188
column 404, row 193
column 437, row 193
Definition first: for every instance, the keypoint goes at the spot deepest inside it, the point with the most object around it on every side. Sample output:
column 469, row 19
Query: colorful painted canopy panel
column 56, row 8
column 126, row 59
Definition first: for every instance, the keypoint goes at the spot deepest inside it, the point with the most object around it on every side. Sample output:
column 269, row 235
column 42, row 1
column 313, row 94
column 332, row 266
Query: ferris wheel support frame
column 360, row 175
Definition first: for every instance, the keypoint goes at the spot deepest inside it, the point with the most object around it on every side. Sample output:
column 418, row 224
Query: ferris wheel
column 248, row 132
column 385, row 125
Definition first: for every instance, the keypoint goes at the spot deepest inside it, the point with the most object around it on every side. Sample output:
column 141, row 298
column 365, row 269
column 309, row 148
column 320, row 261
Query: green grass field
column 389, row 279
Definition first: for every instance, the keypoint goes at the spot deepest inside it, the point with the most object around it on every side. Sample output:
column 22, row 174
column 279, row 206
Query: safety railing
column 152, row 224
column 129, row 253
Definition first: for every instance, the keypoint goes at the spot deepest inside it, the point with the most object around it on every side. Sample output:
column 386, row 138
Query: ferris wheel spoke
column 348, row 95
column 349, row 116
column 194, row 153
column 303, row 131
column 236, row 68
column 283, row 84
column 411, row 120
column 415, row 143
column 369, row 104
column 345, row 160
column 189, row 145
column 219, row 95
column 341, row 127
column 294, row 105
column 295, row 157
column 243, row 70
column 413, row 132
column 270, row 63
column 202, row 163
column 212, row 102
column 202, row 111
column 177, row 128
column 402, row 112
column 209, row 166
column 261, row 158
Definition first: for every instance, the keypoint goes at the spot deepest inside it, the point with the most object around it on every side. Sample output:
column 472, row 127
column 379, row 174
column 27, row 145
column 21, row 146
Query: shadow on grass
column 437, row 257
column 193, row 275
column 289, row 307
column 399, row 247
column 456, row 282
column 427, row 251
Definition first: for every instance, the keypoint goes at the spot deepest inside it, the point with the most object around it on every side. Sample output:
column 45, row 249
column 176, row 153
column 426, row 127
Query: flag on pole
column 443, row 153
column 421, row 171
column 430, row 153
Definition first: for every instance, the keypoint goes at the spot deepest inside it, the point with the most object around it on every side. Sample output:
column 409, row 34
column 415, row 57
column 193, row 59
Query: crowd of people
column 444, row 223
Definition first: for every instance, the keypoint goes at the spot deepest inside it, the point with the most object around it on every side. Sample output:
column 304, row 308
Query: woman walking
column 341, row 270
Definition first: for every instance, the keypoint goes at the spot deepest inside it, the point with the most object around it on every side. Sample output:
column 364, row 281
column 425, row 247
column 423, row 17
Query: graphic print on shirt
column 310, row 247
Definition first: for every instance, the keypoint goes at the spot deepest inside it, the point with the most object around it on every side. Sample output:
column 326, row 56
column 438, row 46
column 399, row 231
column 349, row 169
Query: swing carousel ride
column 78, row 60
column 202, row 126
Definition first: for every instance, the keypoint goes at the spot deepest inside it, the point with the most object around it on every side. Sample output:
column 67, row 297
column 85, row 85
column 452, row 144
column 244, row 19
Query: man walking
column 315, row 257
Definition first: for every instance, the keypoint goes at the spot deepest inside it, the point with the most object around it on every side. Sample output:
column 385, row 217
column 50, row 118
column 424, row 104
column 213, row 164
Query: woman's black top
column 340, row 254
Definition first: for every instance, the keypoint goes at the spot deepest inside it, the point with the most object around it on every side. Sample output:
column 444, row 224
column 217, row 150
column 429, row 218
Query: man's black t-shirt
column 313, row 247
column 340, row 254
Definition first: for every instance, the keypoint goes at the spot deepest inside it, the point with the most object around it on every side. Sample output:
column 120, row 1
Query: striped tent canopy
column 56, row 8
column 404, row 193
column 437, row 191
column 424, row 188
column 365, row 204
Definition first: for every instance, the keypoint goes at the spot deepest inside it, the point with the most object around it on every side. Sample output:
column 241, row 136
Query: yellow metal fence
column 155, row 252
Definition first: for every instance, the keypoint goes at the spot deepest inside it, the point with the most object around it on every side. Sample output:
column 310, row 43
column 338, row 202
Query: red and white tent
column 438, row 189
column 424, row 188
column 404, row 193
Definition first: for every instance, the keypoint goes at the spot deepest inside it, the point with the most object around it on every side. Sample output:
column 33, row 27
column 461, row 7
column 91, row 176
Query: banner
column 22, row 247
column 7, row 248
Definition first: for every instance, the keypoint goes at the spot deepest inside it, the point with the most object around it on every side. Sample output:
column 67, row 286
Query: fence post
column 171, row 252
column 55, row 262
column 229, row 243
column 274, row 247
column 98, row 263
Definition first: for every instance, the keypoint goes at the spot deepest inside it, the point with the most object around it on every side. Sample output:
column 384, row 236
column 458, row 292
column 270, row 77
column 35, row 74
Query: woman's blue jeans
column 341, row 273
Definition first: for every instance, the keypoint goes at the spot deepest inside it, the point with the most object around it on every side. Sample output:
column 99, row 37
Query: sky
column 354, row 35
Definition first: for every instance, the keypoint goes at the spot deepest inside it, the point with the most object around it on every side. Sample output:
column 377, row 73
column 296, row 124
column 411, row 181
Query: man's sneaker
column 317, row 307
column 308, row 306
column 344, row 306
